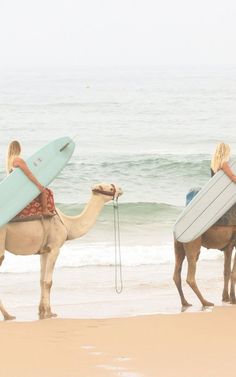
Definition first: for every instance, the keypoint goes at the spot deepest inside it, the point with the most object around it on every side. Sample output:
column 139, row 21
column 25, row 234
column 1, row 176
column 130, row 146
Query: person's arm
column 228, row 171
column 20, row 163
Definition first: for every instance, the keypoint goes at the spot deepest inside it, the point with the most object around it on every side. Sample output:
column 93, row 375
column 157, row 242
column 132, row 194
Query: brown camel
column 47, row 237
column 217, row 237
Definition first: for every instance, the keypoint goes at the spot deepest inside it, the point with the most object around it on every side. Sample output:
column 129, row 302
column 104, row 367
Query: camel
column 46, row 237
column 217, row 237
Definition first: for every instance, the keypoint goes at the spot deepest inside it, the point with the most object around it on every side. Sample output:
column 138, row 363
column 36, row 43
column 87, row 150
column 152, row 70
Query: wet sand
column 89, row 292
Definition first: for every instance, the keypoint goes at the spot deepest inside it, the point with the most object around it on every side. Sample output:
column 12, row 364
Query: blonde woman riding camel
column 14, row 160
column 220, row 161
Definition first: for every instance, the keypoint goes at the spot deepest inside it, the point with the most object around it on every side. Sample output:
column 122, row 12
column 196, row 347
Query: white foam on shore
column 76, row 254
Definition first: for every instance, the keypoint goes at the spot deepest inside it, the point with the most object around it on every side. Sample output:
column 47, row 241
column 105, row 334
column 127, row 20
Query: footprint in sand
column 87, row 347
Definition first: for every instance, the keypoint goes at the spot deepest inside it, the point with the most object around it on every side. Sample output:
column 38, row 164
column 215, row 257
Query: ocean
column 150, row 130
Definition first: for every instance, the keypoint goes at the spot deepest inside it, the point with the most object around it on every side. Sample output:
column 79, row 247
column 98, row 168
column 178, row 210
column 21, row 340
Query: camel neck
column 79, row 225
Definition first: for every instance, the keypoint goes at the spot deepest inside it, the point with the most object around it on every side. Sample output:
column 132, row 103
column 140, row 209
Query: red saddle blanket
column 35, row 207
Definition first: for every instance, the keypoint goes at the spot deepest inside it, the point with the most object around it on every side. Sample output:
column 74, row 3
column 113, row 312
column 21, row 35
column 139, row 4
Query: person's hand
column 233, row 178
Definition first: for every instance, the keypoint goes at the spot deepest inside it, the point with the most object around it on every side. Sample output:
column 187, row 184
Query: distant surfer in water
column 220, row 161
column 15, row 161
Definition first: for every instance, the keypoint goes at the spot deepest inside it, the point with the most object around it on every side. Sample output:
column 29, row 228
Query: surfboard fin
column 64, row 147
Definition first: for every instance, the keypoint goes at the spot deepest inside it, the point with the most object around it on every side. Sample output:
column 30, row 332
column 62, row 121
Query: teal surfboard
column 17, row 191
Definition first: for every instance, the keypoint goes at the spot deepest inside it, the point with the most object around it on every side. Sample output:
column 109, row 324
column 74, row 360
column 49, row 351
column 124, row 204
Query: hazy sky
column 106, row 32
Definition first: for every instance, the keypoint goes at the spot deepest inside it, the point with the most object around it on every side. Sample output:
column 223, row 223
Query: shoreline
column 89, row 292
column 196, row 344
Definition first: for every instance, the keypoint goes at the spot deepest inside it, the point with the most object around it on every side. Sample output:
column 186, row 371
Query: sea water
column 150, row 130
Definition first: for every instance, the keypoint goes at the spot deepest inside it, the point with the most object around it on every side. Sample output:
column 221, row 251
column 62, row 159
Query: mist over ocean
column 150, row 130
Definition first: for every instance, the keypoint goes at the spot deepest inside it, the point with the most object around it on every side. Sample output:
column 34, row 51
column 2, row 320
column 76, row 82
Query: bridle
column 104, row 192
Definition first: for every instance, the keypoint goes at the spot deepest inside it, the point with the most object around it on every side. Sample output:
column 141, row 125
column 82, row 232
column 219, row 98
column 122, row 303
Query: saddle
column 33, row 211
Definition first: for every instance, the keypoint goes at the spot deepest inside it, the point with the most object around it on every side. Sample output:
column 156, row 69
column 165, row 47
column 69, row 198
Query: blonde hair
column 14, row 150
column 221, row 155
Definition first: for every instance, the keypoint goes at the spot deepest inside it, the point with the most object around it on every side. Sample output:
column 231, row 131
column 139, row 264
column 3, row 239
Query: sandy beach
column 196, row 344
column 139, row 333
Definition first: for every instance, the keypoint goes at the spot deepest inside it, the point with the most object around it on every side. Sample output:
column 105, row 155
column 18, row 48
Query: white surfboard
column 212, row 201
column 17, row 191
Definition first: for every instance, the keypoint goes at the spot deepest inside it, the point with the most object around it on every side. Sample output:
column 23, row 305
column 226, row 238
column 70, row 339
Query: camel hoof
column 9, row 317
column 185, row 308
column 207, row 303
column 53, row 315
column 226, row 299
column 47, row 315
column 186, row 304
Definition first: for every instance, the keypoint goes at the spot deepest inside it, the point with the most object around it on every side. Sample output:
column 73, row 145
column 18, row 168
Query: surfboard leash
column 118, row 263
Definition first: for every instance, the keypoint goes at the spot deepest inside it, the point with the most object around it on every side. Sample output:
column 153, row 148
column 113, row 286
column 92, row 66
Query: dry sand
column 186, row 344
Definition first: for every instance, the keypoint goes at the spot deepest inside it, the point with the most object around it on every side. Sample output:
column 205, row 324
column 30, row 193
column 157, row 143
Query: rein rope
column 118, row 262
column 116, row 216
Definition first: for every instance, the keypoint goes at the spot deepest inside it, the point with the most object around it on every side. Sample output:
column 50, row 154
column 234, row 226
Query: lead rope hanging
column 118, row 264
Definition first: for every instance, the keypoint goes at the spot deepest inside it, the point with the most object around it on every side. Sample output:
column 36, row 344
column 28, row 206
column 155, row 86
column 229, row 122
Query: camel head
column 108, row 191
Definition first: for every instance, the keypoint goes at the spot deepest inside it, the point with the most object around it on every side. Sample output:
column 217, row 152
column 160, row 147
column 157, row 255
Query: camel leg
column 227, row 272
column 47, row 267
column 6, row 315
column 179, row 258
column 192, row 257
column 232, row 283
